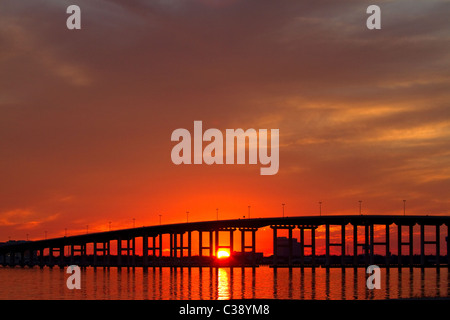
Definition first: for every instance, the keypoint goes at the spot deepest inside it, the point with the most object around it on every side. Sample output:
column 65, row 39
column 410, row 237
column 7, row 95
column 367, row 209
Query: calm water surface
column 222, row 283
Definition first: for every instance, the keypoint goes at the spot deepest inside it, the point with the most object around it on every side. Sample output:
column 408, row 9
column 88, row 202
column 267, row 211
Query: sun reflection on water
column 223, row 285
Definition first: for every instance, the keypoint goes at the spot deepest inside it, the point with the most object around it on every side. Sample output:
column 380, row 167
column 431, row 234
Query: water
column 222, row 283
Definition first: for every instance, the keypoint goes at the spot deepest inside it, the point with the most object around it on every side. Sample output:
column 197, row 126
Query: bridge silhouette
column 71, row 250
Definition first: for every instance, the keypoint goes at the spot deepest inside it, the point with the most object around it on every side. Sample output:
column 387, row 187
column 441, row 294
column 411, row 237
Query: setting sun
column 221, row 254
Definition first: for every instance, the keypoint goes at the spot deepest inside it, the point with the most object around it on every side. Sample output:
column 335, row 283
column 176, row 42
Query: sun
column 222, row 254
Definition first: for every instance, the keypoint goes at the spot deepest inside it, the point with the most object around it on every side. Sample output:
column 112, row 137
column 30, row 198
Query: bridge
column 70, row 250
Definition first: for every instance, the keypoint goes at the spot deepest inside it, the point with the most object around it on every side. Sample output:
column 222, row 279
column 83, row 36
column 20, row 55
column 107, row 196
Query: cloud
column 25, row 218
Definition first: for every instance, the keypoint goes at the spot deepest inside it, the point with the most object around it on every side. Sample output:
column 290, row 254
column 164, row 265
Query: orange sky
column 86, row 116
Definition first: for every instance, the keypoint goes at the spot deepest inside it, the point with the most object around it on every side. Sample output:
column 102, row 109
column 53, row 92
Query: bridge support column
column 252, row 246
column 231, row 242
column 327, row 245
column 313, row 247
column 133, row 252
column 145, row 250
column 411, row 245
column 275, row 246
column 41, row 258
column 12, row 259
column 422, row 245
column 216, row 243
column 355, row 245
column 189, row 245
column 302, row 246
column 366, row 244
column 84, row 261
column 71, row 254
column 171, row 245
column 200, row 243
column 290, row 247
column 211, row 244
column 61, row 256
column 201, row 247
column 399, row 245
column 107, row 254
column 438, row 245
column 22, row 259
column 384, row 243
column 175, row 245
column 230, row 247
column 343, row 245
column 371, row 245
column 154, row 246
column 128, row 251
column 181, row 245
column 119, row 252
column 95, row 260
column 388, row 250
column 50, row 257
column 242, row 240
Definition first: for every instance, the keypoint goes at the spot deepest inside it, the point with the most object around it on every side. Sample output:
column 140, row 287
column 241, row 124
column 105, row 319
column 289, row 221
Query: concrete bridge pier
column 50, row 257
column 435, row 242
column 328, row 245
column 119, row 252
column 61, row 257
column 252, row 246
column 102, row 247
column 209, row 247
column 303, row 244
column 275, row 246
column 275, row 229
column 367, row 246
column 145, row 250
column 230, row 247
column 41, row 258
column 401, row 244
